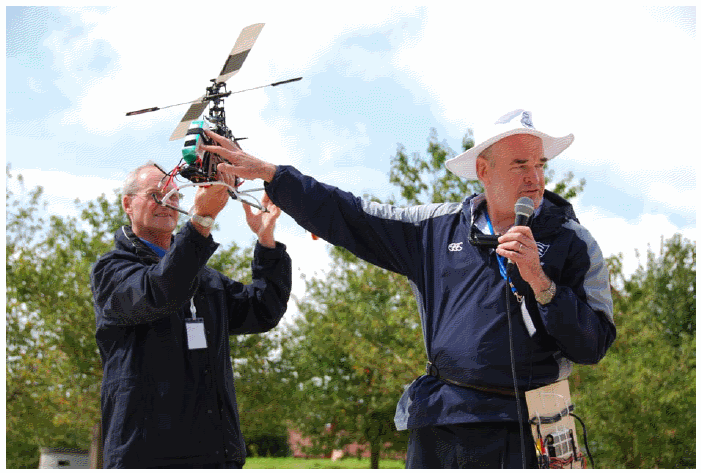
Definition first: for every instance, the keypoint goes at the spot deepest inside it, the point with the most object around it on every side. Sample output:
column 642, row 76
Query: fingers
column 235, row 160
column 223, row 142
column 272, row 208
column 517, row 239
column 224, row 153
column 248, row 210
column 225, row 173
column 513, row 237
column 520, row 232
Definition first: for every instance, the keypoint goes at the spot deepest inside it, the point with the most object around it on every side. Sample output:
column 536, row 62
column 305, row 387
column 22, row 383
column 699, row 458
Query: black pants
column 480, row 445
column 232, row 465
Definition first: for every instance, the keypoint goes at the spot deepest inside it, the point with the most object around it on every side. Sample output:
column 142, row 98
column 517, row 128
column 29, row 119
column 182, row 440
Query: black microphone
column 524, row 209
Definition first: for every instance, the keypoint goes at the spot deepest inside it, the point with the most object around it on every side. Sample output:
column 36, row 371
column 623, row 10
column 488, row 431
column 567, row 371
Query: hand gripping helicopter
column 199, row 166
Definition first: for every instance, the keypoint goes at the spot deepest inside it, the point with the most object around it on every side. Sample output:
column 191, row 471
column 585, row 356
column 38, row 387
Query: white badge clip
column 194, row 328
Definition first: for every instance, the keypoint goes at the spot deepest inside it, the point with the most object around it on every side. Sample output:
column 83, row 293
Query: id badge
column 527, row 318
column 195, row 334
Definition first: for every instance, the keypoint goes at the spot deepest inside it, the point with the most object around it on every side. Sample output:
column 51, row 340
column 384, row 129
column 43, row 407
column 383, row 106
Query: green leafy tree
column 53, row 370
column 355, row 346
column 668, row 281
column 639, row 402
column 259, row 392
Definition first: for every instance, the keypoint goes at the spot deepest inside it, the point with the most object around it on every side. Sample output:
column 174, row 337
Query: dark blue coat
column 163, row 404
column 460, row 294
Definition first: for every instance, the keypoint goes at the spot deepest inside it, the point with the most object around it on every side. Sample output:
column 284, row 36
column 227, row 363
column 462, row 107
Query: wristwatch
column 206, row 222
column 547, row 295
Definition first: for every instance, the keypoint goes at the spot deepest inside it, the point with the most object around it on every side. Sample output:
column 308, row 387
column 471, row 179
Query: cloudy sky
column 623, row 80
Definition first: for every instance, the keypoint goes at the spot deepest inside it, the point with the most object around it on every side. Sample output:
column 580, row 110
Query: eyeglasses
column 159, row 196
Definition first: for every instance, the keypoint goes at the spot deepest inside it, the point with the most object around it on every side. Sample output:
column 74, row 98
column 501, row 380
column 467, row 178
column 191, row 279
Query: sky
column 621, row 79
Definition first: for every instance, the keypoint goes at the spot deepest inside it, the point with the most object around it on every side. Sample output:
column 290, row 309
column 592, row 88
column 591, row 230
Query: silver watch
column 206, row 222
column 547, row 295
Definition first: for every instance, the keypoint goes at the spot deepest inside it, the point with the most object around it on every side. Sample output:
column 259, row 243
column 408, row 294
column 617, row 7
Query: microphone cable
column 513, row 374
column 524, row 210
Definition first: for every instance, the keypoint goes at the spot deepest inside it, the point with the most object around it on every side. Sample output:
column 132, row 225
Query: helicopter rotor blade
column 237, row 56
column 274, row 84
column 226, row 94
column 233, row 63
column 240, row 51
column 139, row 112
column 193, row 113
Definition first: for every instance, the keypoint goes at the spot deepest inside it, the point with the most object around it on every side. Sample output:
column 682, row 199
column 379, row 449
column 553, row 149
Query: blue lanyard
column 500, row 260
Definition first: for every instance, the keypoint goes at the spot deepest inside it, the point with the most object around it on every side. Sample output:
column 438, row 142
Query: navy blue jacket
column 163, row 404
column 460, row 294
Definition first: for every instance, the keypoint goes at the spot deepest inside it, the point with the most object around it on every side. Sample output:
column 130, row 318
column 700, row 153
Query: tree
column 259, row 391
column 356, row 345
column 667, row 282
column 639, row 402
column 53, row 369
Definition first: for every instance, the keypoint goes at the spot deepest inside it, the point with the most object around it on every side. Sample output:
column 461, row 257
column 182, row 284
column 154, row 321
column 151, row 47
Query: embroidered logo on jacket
column 455, row 246
column 542, row 248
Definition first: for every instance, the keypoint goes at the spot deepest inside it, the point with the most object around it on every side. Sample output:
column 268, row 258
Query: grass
column 261, row 463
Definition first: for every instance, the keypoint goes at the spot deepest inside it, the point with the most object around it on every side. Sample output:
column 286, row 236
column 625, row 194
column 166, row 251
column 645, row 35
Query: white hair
column 130, row 184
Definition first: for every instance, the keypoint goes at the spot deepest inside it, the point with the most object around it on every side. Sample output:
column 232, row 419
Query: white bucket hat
column 465, row 164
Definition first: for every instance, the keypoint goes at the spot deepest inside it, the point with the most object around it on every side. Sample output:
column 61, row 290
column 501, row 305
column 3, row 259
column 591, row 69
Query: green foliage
column 424, row 180
column 53, row 369
column 268, row 445
column 639, row 402
column 564, row 188
column 259, row 392
column 667, row 283
column 355, row 346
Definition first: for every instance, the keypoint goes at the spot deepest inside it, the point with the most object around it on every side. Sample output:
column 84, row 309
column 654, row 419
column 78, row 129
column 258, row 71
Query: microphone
column 524, row 209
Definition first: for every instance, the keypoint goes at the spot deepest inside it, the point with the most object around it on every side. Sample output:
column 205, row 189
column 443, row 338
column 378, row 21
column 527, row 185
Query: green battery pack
column 193, row 142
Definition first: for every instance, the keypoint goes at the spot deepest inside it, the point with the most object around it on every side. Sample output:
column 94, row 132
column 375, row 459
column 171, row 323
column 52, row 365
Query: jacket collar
column 126, row 239
column 552, row 213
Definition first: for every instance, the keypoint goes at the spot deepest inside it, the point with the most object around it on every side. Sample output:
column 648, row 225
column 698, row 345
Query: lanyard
column 502, row 266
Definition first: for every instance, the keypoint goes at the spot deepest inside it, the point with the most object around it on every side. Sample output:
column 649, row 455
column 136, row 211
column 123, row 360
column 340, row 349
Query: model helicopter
column 199, row 166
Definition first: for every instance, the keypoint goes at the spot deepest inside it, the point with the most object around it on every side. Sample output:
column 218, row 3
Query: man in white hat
column 482, row 285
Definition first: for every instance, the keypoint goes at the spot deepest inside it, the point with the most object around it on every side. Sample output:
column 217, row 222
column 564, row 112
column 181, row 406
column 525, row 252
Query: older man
column 163, row 324
column 463, row 412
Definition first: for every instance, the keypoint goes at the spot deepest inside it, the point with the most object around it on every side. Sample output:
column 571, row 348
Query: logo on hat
column 526, row 118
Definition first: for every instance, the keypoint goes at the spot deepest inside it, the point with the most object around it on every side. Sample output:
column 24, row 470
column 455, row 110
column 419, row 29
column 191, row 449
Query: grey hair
column 130, row 185
column 488, row 155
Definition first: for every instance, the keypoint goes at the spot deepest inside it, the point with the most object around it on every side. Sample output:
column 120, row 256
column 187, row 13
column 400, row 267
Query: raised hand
column 244, row 165
column 263, row 223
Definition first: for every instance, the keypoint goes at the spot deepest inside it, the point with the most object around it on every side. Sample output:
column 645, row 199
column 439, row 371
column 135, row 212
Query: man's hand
column 244, row 165
column 263, row 223
column 210, row 200
column 519, row 246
